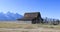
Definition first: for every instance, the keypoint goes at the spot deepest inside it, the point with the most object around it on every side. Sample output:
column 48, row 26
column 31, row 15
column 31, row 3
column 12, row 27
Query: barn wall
column 25, row 22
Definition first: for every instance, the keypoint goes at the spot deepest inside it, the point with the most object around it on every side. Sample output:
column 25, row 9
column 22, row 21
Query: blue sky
column 47, row 8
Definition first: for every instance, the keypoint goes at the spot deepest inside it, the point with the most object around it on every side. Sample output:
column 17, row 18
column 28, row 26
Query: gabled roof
column 30, row 16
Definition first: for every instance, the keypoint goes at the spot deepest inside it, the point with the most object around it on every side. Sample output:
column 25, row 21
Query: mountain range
column 10, row 16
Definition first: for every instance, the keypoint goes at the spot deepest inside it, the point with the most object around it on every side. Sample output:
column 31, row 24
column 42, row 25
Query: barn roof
column 30, row 16
column 33, row 13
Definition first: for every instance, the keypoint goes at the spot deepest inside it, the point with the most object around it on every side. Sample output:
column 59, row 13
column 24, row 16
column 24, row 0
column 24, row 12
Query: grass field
column 32, row 27
column 14, row 25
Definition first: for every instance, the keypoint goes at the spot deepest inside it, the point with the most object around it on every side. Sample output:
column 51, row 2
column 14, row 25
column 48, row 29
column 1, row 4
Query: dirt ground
column 29, row 30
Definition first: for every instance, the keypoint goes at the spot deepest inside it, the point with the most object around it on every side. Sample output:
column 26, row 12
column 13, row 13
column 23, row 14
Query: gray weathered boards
column 34, row 17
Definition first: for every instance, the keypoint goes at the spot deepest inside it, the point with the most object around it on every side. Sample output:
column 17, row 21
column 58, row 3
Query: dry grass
column 49, row 26
column 27, row 26
column 14, row 25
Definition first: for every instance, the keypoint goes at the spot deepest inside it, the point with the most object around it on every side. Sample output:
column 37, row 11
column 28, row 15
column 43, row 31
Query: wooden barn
column 33, row 17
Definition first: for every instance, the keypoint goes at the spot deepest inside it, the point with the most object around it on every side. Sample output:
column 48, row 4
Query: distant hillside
column 9, row 16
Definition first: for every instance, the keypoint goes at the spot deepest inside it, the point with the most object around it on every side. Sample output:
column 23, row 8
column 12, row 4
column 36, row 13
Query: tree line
column 51, row 21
